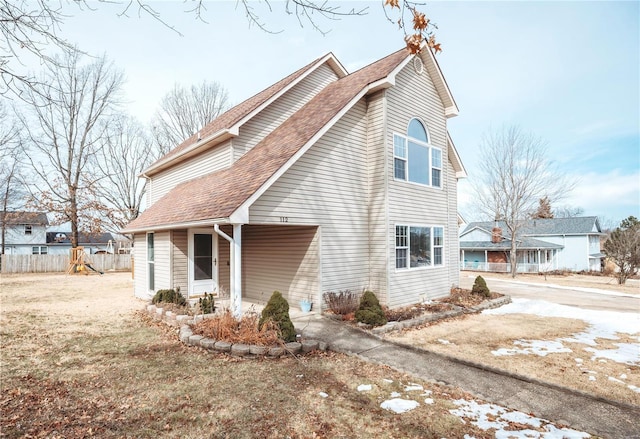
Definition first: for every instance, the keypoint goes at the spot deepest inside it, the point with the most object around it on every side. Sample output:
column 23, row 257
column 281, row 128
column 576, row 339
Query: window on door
column 202, row 257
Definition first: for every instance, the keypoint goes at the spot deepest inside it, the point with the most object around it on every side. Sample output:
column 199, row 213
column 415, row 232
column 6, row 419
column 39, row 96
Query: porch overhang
column 180, row 225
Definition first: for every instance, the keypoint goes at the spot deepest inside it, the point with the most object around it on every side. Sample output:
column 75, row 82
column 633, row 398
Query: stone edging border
column 457, row 311
column 187, row 337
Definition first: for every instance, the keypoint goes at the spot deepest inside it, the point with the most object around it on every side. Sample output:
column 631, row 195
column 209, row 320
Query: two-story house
column 25, row 233
column 324, row 181
column 543, row 244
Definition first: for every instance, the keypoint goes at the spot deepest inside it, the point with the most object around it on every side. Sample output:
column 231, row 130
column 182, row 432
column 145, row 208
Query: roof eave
column 181, row 225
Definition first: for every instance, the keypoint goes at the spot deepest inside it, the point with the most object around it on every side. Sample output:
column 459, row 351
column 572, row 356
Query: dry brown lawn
column 473, row 337
column 79, row 360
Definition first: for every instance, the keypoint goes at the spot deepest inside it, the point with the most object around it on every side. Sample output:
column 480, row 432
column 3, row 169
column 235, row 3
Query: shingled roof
column 24, row 217
column 236, row 114
column 217, row 196
column 585, row 225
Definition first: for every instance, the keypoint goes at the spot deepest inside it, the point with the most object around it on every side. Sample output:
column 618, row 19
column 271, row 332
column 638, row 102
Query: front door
column 203, row 262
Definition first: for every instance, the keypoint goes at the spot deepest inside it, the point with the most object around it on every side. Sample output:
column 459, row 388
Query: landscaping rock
column 182, row 319
column 222, row 346
column 194, row 340
column 240, row 350
column 207, row 343
column 294, row 347
column 184, row 336
column 309, row 345
column 276, row 352
column 258, row 350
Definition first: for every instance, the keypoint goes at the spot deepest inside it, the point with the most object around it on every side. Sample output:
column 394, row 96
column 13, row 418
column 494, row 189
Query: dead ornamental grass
column 78, row 361
column 473, row 337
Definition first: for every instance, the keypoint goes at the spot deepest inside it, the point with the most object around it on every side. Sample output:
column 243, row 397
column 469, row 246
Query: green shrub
column 207, row 304
column 277, row 311
column 169, row 296
column 370, row 312
column 480, row 287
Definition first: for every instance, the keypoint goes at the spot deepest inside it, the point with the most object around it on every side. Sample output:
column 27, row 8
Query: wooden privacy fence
column 52, row 263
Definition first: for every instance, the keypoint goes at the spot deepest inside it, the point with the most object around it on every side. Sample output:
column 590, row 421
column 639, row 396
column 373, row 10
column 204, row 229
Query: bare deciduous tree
column 11, row 193
column 623, row 247
column 64, row 133
column 568, row 212
column 183, row 111
column 514, row 175
column 126, row 152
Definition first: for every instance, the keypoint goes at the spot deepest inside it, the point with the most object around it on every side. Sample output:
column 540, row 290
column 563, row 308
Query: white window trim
column 431, row 237
column 429, row 147
column 28, row 229
column 40, row 248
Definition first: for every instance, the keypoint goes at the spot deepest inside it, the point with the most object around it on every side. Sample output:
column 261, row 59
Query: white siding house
column 25, row 233
column 299, row 189
column 544, row 244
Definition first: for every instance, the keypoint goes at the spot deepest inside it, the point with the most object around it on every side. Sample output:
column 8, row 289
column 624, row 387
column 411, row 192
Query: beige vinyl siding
column 377, row 195
column 281, row 109
column 280, row 258
column 215, row 159
column 414, row 95
column 328, row 186
column 180, row 260
column 140, row 266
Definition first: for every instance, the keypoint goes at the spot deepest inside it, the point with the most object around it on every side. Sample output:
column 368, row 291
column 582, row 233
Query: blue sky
column 566, row 71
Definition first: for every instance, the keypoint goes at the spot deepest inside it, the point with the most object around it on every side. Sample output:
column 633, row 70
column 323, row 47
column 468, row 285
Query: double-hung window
column 28, row 229
column 419, row 246
column 415, row 159
column 39, row 250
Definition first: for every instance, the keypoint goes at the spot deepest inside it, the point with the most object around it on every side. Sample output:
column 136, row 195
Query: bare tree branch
column 127, row 151
column 184, row 111
column 514, row 175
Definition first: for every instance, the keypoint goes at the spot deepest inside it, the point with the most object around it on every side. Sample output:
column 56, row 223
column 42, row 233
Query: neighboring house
column 543, row 245
column 25, row 232
column 60, row 242
column 325, row 181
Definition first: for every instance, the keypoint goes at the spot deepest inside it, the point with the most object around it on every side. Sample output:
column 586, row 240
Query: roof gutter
column 186, row 225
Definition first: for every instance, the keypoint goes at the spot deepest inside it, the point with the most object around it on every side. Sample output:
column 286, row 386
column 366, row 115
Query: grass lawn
column 79, row 360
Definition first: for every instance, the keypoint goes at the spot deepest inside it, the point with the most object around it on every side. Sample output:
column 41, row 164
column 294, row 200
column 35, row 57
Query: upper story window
column 28, row 229
column 415, row 159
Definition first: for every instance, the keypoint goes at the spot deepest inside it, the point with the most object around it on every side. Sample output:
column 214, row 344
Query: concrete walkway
column 579, row 411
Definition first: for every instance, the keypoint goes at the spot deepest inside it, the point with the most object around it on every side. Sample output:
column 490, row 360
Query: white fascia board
column 461, row 172
column 451, row 109
column 184, row 225
column 243, row 210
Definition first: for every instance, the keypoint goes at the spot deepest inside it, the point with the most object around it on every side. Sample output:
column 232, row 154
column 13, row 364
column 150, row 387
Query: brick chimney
column 496, row 235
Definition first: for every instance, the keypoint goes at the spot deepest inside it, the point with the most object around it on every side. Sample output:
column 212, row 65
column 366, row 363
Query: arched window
column 415, row 159
column 417, row 131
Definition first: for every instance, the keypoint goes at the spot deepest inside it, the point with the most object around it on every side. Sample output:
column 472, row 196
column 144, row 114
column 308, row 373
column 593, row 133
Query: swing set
column 79, row 262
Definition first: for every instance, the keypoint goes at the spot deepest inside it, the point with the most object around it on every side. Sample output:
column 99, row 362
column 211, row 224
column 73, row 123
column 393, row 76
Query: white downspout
column 235, row 281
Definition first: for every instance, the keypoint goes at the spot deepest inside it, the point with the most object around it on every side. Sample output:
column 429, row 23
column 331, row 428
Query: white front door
column 203, row 262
